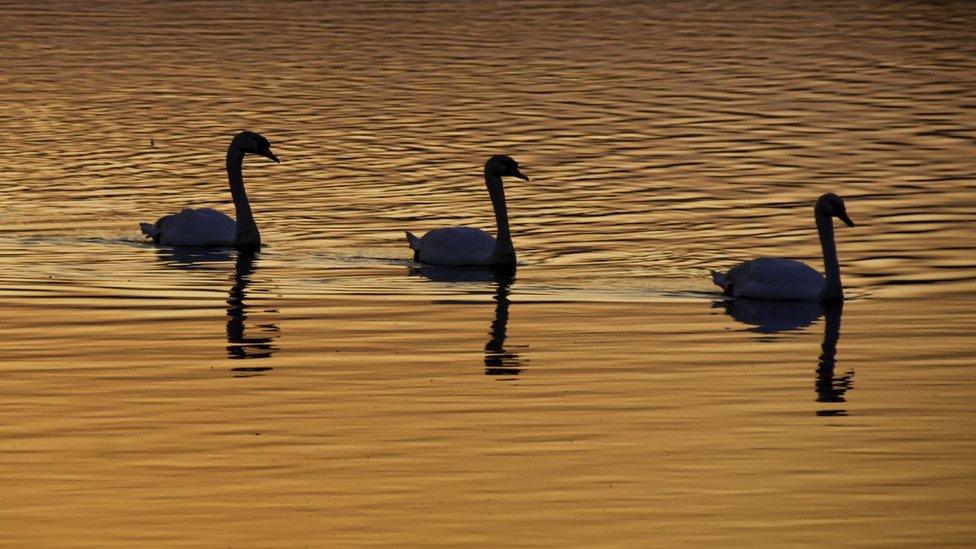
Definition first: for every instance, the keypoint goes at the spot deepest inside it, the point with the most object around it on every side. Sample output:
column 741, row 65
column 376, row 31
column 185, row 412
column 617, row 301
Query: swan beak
column 520, row 175
column 270, row 155
column 843, row 217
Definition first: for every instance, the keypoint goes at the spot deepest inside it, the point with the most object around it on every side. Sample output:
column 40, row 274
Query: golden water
column 328, row 392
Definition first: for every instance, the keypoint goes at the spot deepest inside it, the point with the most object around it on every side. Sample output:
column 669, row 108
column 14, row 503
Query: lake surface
column 329, row 391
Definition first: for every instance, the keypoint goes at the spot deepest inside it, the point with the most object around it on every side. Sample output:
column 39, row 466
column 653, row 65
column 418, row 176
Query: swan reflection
column 499, row 359
column 830, row 386
column 242, row 342
column 193, row 259
column 769, row 317
column 239, row 345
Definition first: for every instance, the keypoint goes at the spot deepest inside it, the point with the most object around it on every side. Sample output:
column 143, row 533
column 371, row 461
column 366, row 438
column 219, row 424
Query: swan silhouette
column 461, row 246
column 208, row 227
column 789, row 279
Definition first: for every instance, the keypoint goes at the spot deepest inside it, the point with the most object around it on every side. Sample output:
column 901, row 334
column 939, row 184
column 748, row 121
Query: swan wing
column 192, row 227
column 454, row 246
column 771, row 278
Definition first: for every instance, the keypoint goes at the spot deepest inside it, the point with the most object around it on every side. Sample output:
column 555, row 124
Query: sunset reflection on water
column 326, row 390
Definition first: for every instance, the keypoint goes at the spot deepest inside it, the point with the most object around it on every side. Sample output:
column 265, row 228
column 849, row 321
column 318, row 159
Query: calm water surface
column 328, row 391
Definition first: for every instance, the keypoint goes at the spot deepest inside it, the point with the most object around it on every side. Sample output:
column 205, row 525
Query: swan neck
column 833, row 290
column 504, row 251
column 247, row 234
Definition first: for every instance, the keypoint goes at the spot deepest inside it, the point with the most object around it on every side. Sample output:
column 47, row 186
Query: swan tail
column 722, row 280
column 413, row 241
column 155, row 230
column 150, row 230
column 414, row 244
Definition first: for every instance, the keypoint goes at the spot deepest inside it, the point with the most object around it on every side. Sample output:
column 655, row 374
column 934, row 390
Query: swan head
column 254, row 143
column 832, row 205
column 502, row 165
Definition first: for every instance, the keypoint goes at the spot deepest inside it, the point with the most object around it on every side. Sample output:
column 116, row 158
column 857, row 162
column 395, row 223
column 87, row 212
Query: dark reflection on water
column 769, row 317
column 239, row 345
column 830, row 386
column 499, row 360
column 440, row 273
column 191, row 259
column 665, row 138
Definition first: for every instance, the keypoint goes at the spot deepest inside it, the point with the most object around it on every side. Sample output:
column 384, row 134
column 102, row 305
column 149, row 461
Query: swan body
column 454, row 246
column 771, row 278
column 208, row 227
column 464, row 246
column 777, row 278
column 189, row 227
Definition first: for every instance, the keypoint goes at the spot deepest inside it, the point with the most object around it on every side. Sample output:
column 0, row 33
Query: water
column 327, row 391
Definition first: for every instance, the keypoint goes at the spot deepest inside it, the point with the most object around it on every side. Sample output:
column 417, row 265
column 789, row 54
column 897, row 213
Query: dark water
column 329, row 391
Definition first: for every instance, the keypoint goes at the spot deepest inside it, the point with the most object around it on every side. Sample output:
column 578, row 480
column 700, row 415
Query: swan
column 207, row 227
column 779, row 278
column 460, row 246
